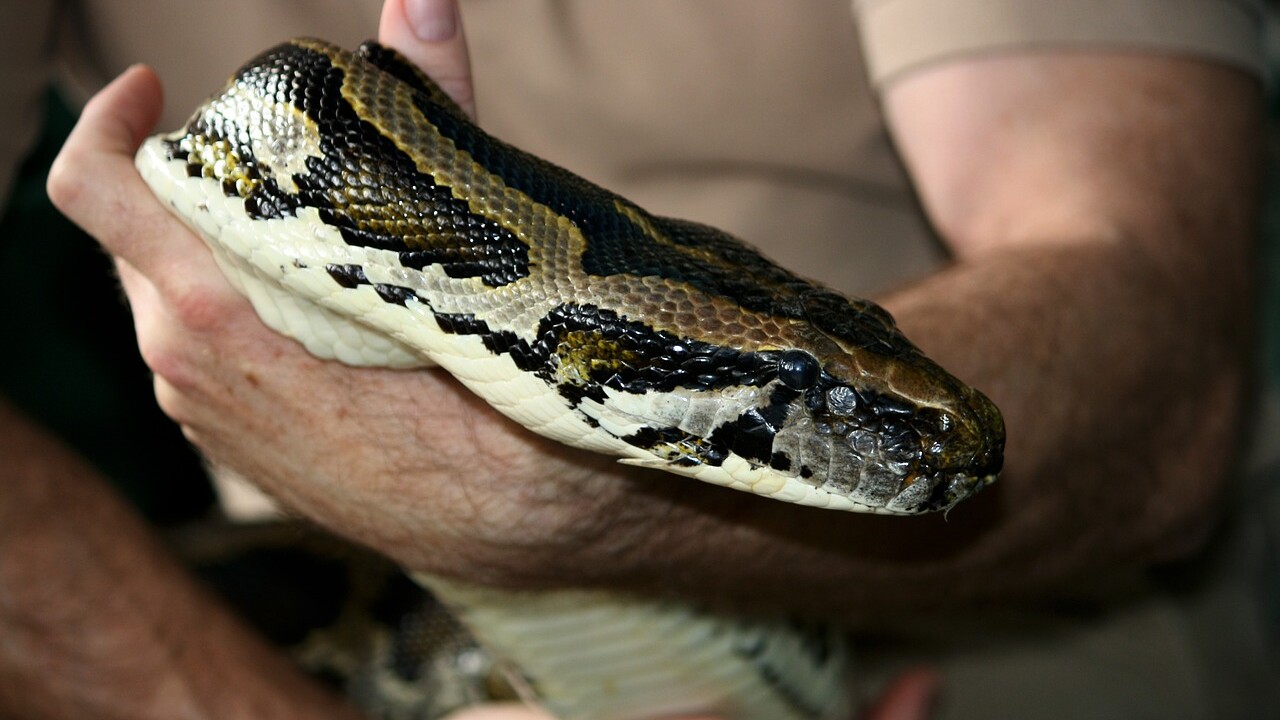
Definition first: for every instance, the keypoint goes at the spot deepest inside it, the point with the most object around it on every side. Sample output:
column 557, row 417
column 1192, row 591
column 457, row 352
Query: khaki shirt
column 757, row 116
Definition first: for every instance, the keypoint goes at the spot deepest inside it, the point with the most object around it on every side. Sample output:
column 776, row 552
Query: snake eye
column 798, row 369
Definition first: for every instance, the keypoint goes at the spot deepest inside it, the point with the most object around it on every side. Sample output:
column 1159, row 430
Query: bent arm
column 1101, row 214
column 1102, row 210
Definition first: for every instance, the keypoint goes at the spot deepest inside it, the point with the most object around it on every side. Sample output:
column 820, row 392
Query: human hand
column 406, row 462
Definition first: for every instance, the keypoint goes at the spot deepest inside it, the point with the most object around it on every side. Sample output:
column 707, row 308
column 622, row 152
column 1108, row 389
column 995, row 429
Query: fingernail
column 432, row 20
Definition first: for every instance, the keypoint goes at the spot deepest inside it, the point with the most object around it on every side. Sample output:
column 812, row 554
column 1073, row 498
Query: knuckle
column 192, row 435
column 65, row 184
column 174, row 373
column 198, row 308
column 171, row 400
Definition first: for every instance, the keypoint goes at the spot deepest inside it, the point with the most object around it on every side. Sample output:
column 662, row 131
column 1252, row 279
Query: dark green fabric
column 69, row 358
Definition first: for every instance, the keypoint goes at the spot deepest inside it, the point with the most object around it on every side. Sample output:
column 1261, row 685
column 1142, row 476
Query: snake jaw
column 967, row 451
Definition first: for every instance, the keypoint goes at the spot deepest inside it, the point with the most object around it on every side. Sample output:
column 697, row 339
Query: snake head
column 901, row 437
column 849, row 415
column 877, row 421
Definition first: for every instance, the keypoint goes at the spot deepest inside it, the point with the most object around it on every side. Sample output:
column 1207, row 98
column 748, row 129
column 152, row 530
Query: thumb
column 429, row 33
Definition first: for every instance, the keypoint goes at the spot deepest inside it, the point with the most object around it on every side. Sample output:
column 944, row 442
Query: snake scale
column 366, row 216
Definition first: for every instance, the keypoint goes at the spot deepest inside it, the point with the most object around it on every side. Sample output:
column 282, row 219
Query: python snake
column 366, row 216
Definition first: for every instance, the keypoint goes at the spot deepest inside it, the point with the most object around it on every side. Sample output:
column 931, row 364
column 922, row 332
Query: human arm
column 465, row 494
column 97, row 620
column 1102, row 210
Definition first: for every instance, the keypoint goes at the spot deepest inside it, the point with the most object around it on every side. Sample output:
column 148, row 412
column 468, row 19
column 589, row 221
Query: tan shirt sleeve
column 900, row 35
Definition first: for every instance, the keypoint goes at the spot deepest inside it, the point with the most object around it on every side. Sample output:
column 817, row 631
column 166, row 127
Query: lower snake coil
column 364, row 215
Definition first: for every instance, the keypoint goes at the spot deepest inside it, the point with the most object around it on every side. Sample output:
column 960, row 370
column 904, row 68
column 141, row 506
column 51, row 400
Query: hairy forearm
column 97, row 621
column 1121, row 389
column 1103, row 224
column 1122, row 403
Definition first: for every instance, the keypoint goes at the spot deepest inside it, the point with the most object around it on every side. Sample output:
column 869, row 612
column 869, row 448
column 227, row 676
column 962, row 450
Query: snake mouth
column 941, row 489
column 956, row 488
column 968, row 453
column 936, row 491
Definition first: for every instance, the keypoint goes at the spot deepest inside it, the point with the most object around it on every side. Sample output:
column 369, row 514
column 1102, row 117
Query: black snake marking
column 365, row 215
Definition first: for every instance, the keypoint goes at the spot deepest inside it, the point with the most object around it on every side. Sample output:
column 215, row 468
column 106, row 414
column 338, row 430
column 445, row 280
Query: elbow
column 1196, row 459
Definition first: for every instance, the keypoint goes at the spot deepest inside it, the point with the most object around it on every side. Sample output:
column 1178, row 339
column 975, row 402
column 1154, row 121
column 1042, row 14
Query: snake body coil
column 364, row 215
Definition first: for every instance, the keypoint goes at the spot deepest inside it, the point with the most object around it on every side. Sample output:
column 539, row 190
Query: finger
column 137, row 288
column 174, row 338
column 123, row 113
column 429, row 33
column 94, row 183
column 912, row 695
column 156, row 338
column 144, row 300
